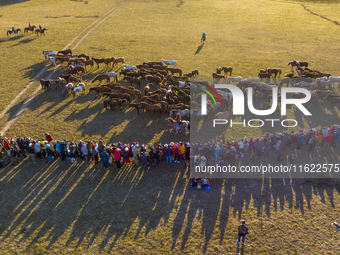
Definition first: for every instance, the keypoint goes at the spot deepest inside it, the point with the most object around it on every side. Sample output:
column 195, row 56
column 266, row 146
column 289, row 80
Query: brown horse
column 98, row 61
column 174, row 71
column 99, row 90
column 226, row 70
column 65, row 52
column 115, row 95
column 107, row 61
column 218, row 76
column 133, row 80
column 119, row 60
column 76, row 70
column 274, row 71
column 45, row 84
column 42, row 31
column 29, row 29
column 113, row 103
column 89, row 62
column 101, row 77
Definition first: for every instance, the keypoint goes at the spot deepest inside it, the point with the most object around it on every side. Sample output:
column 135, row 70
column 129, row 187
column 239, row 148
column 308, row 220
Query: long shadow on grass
column 10, row 2
column 24, row 41
column 86, row 202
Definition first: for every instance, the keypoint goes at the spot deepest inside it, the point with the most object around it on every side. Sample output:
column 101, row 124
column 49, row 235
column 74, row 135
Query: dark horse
column 42, row 31
column 29, row 29
column 298, row 64
column 10, row 32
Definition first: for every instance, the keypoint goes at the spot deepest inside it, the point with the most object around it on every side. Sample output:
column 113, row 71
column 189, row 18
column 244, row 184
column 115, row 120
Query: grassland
column 82, row 209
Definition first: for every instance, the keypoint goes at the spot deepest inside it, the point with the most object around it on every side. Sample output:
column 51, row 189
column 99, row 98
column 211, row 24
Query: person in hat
column 242, row 232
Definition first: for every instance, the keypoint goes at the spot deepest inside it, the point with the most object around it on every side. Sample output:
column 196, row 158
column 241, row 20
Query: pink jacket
column 117, row 155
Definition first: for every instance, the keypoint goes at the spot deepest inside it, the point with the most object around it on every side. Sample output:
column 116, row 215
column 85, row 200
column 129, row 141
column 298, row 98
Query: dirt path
column 81, row 36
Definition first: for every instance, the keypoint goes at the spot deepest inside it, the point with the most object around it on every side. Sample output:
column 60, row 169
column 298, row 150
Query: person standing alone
column 242, row 231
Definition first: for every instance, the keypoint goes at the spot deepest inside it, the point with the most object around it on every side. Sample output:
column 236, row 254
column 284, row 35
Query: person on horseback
column 179, row 122
column 13, row 30
column 40, row 28
column 203, row 37
column 29, row 25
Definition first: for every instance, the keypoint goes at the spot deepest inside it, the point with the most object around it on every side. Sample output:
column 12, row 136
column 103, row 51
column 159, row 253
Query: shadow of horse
column 199, row 49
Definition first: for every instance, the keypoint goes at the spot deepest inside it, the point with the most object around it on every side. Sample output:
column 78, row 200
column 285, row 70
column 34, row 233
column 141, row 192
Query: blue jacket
column 168, row 152
column 301, row 138
column 144, row 159
column 57, row 145
column 104, row 156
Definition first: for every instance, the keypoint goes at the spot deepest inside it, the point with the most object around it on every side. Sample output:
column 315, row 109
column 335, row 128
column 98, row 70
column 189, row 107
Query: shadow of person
column 199, row 48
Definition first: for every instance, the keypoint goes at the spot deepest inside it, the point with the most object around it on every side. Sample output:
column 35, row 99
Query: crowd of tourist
column 274, row 144
column 119, row 154
column 108, row 153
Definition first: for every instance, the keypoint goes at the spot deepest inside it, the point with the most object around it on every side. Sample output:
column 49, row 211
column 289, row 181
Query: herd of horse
column 173, row 90
column 27, row 29
column 171, row 93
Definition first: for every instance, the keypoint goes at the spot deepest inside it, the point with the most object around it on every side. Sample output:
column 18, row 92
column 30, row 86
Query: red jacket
column 329, row 139
column 49, row 138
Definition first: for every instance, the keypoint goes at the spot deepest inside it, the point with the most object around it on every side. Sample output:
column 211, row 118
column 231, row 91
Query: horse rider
column 40, row 27
column 13, row 30
column 29, row 25
column 203, row 37
column 179, row 121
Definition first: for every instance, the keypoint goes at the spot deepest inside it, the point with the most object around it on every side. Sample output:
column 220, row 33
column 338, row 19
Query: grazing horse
column 80, row 87
column 169, row 62
column 65, row 52
column 101, row 77
column 67, row 89
column 119, row 60
column 98, row 61
column 194, row 73
column 113, row 75
column 45, row 84
column 42, row 31
column 29, row 29
column 298, row 64
column 10, row 32
column 274, row 71
column 185, row 112
column 226, row 70
column 179, row 128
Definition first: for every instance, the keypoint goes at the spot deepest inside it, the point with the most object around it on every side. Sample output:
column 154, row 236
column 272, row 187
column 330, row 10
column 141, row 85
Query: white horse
column 80, row 87
column 234, row 79
column 51, row 58
column 51, row 53
column 252, row 79
column 184, row 112
column 169, row 62
column 129, row 67
column 113, row 74
column 334, row 79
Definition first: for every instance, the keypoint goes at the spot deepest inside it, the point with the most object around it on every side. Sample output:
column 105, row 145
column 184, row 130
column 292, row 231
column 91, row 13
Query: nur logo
column 204, row 97
column 238, row 99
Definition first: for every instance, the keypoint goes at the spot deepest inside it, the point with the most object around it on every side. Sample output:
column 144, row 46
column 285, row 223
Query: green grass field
column 83, row 209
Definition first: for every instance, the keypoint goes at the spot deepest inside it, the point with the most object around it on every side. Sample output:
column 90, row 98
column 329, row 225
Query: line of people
column 269, row 144
column 108, row 153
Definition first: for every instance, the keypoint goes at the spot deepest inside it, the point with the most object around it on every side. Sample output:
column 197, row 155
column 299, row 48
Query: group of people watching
column 269, row 144
column 108, row 153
